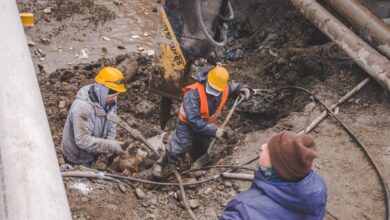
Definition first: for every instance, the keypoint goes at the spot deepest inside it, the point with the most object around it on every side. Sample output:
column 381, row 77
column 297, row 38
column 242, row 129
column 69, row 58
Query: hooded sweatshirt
column 191, row 102
column 87, row 131
column 303, row 200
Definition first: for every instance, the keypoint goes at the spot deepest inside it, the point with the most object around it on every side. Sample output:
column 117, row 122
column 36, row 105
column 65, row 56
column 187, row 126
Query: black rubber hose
column 202, row 26
column 362, row 146
column 231, row 13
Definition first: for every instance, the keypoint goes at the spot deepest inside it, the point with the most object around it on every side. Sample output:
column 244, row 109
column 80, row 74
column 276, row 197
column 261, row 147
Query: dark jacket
column 191, row 103
column 303, row 200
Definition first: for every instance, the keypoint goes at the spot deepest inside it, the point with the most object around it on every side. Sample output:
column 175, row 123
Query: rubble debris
column 30, row 41
column 106, row 38
column 194, row 203
column 45, row 40
column 140, row 194
column 40, row 53
column 144, row 109
column 62, row 104
column 83, row 54
column 47, row 10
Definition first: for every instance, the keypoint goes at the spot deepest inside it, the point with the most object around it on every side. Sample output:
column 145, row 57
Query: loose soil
column 278, row 47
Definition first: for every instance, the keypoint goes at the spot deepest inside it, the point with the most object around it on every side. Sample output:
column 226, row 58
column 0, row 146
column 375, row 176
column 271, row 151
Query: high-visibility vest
column 204, row 106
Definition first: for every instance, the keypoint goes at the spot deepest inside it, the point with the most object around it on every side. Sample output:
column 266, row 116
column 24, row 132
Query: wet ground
column 83, row 31
column 277, row 47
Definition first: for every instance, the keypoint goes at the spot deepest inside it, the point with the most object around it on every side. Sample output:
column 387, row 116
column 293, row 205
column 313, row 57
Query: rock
column 140, row 194
column 194, row 204
column 117, row 2
column 84, row 199
column 81, row 218
column 141, row 49
column 62, row 104
column 153, row 216
column 121, row 47
column 30, row 42
column 83, row 54
column 141, row 154
column 45, row 41
column 47, row 10
column 129, row 67
column 173, row 194
column 208, row 190
column 136, row 36
column 228, row 184
column 122, row 187
column 150, row 52
column 144, row 109
column 145, row 204
column 146, row 34
column 112, row 207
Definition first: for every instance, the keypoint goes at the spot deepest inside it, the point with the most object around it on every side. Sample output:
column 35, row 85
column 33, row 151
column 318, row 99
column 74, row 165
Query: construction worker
column 202, row 103
column 284, row 186
column 87, row 131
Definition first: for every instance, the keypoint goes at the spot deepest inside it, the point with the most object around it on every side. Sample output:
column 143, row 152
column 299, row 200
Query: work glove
column 220, row 133
column 246, row 92
column 116, row 148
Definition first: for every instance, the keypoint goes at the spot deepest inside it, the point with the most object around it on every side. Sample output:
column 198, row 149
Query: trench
column 271, row 45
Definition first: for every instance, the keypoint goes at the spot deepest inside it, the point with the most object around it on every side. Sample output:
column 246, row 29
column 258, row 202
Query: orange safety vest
column 204, row 106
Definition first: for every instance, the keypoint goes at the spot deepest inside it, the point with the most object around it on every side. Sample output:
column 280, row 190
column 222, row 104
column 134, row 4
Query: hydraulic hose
column 202, row 26
column 231, row 13
column 350, row 132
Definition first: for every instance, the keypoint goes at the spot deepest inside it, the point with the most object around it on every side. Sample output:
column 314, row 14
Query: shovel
column 204, row 159
column 133, row 132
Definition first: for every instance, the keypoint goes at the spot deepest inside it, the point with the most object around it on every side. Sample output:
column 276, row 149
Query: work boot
column 159, row 166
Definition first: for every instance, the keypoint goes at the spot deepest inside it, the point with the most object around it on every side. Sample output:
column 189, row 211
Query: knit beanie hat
column 292, row 155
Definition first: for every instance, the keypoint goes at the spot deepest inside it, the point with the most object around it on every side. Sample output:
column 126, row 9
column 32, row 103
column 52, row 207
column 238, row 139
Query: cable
column 183, row 195
column 362, row 146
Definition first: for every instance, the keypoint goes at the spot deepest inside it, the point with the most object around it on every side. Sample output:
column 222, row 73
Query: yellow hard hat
column 218, row 78
column 112, row 78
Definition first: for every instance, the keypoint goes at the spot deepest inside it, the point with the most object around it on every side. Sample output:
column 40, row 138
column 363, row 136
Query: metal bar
column 31, row 185
column 238, row 176
column 373, row 28
column 376, row 65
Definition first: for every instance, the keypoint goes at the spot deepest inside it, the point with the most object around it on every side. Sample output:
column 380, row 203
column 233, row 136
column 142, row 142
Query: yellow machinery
column 27, row 19
column 168, row 77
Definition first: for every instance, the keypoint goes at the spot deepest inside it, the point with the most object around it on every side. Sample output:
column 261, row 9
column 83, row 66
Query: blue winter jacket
column 191, row 103
column 304, row 200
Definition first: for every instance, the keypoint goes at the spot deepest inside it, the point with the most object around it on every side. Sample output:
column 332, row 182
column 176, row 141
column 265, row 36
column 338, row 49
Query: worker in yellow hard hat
column 87, row 131
column 202, row 103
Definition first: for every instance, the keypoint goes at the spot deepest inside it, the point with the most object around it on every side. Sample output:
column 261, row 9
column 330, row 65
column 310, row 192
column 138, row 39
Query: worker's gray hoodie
column 87, row 131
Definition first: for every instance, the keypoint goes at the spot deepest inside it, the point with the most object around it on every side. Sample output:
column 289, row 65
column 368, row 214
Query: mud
column 278, row 47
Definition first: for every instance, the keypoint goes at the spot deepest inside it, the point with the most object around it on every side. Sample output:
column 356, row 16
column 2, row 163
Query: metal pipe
column 373, row 28
column 376, row 65
column 238, row 176
column 31, row 185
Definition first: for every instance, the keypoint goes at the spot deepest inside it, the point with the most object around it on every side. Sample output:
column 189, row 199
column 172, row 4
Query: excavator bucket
column 169, row 76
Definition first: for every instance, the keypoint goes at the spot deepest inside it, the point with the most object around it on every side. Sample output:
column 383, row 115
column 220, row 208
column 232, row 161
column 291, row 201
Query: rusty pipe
column 373, row 28
column 375, row 64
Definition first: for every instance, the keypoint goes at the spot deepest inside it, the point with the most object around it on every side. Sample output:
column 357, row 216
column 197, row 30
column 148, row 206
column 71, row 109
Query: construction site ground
column 273, row 46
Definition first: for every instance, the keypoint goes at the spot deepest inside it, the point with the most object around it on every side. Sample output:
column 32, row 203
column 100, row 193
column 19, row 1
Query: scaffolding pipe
column 373, row 28
column 31, row 185
column 376, row 65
